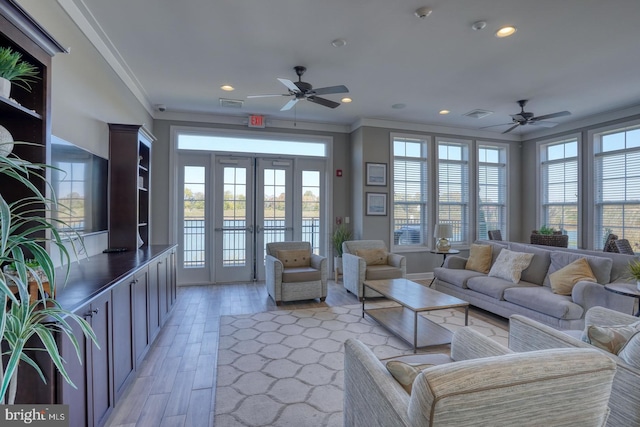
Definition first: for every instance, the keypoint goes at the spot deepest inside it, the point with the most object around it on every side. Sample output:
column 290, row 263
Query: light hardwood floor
column 175, row 386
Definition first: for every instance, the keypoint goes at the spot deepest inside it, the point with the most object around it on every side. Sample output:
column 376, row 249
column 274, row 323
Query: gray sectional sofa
column 532, row 296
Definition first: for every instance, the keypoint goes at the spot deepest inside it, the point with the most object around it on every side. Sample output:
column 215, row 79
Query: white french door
column 232, row 206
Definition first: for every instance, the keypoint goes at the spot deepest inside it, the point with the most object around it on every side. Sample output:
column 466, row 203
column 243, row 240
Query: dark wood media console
column 126, row 297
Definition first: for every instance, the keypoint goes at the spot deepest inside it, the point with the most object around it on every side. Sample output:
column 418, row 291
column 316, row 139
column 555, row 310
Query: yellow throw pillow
column 294, row 258
column 373, row 256
column 406, row 373
column 479, row 258
column 562, row 281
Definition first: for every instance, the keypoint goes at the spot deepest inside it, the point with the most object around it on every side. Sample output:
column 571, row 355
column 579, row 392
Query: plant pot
column 6, row 142
column 5, row 87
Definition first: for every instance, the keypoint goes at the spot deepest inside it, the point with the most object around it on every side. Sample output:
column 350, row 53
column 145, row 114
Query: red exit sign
column 256, row 122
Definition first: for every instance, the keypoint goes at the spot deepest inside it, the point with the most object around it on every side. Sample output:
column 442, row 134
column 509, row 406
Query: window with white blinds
column 617, row 186
column 560, row 187
column 410, row 191
column 492, row 190
column 453, row 188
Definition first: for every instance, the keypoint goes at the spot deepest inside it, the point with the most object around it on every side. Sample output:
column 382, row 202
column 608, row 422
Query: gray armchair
column 356, row 269
column 526, row 334
column 484, row 385
column 294, row 273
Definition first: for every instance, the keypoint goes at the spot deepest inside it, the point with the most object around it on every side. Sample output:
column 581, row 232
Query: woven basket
column 555, row 239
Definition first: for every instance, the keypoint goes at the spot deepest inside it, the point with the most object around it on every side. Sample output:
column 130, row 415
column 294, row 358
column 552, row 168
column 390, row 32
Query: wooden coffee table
column 404, row 321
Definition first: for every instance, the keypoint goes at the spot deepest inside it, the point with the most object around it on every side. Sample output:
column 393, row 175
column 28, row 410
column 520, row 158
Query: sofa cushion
column 373, row 256
column 510, row 264
column 479, row 258
column 541, row 299
column 630, row 353
column 294, row 258
column 537, row 269
column 406, row 373
column 601, row 267
column 562, row 281
column 379, row 272
column 300, row 274
column 611, row 338
column 493, row 286
column 456, row 277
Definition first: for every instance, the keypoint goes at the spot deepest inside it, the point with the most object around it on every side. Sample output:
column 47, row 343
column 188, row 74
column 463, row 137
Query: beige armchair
column 294, row 273
column 483, row 384
column 369, row 260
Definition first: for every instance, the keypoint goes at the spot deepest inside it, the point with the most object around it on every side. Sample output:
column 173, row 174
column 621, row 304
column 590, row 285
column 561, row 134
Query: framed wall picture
column 377, row 204
column 377, row 174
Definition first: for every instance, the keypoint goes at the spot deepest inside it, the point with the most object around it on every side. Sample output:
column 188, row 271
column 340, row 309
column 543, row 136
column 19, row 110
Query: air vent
column 478, row 114
column 231, row 103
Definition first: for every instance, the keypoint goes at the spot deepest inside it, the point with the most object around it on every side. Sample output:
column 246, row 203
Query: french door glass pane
column 235, row 218
column 194, row 214
column 311, row 209
column 275, row 203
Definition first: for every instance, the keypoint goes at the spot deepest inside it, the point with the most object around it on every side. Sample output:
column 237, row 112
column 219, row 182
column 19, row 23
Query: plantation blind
column 453, row 188
column 492, row 190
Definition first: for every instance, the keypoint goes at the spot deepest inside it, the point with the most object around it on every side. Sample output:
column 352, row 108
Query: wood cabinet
column 141, row 335
column 27, row 116
column 130, row 185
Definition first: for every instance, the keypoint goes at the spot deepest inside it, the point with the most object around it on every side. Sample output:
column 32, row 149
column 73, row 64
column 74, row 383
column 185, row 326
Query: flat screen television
column 80, row 182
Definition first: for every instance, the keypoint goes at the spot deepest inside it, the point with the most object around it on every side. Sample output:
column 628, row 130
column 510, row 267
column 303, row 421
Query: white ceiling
column 576, row 55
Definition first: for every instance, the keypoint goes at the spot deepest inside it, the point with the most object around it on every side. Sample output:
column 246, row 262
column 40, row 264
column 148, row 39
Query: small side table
column 626, row 289
column 444, row 258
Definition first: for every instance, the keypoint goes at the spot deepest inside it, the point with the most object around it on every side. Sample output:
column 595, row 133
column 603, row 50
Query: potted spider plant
column 634, row 270
column 13, row 70
column 23, row 234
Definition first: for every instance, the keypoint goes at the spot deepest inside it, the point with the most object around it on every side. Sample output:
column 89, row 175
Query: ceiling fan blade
column 543, row 124
column 511, row 128
column 552, row 115
column 323, row 101
column 330, row 89
column 268, row 96
column 289, row 84
column 289, row 105
column 501, row 124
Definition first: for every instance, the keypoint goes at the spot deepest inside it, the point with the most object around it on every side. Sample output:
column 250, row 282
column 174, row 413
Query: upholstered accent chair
column 294, row 273
column 369, row 260
column 482, row 384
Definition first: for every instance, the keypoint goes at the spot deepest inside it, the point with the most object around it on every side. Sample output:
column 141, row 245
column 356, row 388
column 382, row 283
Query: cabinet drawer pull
column 91, row 313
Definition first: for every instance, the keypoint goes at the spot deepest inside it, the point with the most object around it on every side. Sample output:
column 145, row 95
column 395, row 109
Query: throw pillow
column 600, row 266
column 405, row 373
column 630, row 353
column 562, row 281
column 294, row 258
column 611, row 338
column 479, row 258
column 373, row 256
column 509, row 265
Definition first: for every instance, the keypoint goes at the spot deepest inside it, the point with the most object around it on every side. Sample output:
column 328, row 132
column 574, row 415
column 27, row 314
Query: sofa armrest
column 318, row 261
column 372, row 397
column 526, row 334
column 353, row 273
column 467, row 344
column 590, row 294
column 602, row 316
column 455, row 262
column 398, row 261
column 273, row 276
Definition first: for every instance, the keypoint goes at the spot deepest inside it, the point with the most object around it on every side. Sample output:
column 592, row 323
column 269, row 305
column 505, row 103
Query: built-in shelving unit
column 129, row 185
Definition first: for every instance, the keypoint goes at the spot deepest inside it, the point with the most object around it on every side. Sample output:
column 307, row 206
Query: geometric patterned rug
column 285, row 368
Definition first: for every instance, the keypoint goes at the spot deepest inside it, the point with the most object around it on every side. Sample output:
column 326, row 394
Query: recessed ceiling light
column 227, row 88
column 339, row 42
column 506, row 31
column 478, row 25
column 443, row 112
column 346, row 100
column 398, row 106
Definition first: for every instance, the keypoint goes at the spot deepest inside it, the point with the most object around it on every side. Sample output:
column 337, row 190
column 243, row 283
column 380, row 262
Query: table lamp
column 443, row 232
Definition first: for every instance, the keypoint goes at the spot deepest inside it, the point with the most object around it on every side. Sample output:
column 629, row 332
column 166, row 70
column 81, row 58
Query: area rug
column 285, row 368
